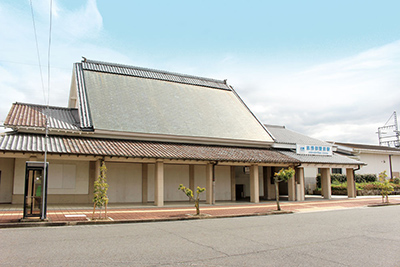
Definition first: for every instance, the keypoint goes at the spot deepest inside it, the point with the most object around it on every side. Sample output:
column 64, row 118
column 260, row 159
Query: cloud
column 75, row 32
column 344, row 100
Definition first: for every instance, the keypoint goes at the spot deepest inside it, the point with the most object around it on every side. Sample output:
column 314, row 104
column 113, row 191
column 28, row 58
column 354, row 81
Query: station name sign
column 313, row 150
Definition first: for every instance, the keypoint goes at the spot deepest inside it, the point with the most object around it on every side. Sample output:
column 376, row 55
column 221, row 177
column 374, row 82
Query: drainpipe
column 390, row 166
column 354, row 177
column 213, row 182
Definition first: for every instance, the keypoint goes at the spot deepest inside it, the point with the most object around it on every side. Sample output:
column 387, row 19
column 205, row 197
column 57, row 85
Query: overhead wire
column 37, row 50
column 47, row 102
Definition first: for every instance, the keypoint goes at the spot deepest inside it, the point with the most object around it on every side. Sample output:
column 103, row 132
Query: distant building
column 377, row 158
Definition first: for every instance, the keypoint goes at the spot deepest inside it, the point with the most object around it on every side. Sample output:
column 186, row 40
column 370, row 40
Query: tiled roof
column 17, row 142
column 322, row 159
column 33, row 116
column 369, row 147
column 123, row 99
column 113, row 68
column 285, row 136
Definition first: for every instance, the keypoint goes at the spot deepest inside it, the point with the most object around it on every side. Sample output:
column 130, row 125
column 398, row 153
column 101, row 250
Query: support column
column 270, row 187
column 292, row 188
column 209, row 183
column 254, row 184
column 326, row 183
column 159, row 184
column 300, row 194
column 233, row 183
column 351, row 186
column 145, row 178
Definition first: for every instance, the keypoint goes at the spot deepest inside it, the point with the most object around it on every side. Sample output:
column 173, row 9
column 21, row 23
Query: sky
column 327, row 69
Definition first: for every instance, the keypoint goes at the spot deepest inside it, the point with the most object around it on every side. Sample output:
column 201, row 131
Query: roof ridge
column 155, row 70
column 45, row 106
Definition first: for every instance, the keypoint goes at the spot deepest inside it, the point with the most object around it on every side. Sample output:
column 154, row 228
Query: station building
column 154, row 130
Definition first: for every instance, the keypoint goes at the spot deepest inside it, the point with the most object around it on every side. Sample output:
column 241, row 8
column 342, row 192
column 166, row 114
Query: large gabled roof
column 117, row 99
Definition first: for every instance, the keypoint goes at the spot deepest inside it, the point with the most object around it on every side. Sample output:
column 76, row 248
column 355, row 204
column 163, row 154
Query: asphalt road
column 355, row 237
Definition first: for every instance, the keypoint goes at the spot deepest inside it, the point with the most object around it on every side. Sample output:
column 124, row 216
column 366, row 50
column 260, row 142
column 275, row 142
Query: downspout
column 354, row 177
column 213, row 182
column 390, row 166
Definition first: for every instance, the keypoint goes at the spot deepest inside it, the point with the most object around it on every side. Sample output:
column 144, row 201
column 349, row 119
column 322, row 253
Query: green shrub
column 365, row 178
column 396, row 180
column 341, row 178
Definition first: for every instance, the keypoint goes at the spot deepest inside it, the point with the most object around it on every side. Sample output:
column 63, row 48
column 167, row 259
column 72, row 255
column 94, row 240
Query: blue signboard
column 313, row 150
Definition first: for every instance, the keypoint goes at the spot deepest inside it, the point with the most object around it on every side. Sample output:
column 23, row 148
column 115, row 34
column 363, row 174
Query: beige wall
column 125, row 182
column 200, row 178
column 174, row 175
column 223, row 182
column 6, row 182
column 81, row 184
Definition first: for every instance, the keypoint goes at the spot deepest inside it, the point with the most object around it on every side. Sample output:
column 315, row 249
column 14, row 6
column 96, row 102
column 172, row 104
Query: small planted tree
column 386, row 187
column 283, row 175
column 100, row 198
column 190, row 195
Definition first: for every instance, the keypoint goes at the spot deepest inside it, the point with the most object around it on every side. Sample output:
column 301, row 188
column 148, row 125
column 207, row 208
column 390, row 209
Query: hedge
column 342, row 178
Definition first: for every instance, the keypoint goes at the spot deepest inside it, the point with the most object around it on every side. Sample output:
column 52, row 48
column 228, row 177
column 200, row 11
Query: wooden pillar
column 159, row 184
column 326, row 183
column 209, row 183
column 351, row 186
column 233, row 183
column 254, row 184
column 145, row 182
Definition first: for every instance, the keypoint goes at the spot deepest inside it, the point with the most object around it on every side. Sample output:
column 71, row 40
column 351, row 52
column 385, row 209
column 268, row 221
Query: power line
column 37, row 50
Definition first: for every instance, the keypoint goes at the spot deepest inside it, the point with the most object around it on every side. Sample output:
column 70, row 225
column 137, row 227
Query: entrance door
column 33, row 196
column 239, row 192
column 33, row 202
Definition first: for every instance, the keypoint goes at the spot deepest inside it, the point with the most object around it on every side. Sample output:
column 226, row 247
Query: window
column 337, row 170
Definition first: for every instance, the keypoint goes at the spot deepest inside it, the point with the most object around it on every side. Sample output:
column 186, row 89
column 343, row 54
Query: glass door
column 33, row 193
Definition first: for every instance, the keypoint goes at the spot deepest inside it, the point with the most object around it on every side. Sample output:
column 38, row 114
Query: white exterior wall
column 377, row 163
column 6, row 182
column 125, row 182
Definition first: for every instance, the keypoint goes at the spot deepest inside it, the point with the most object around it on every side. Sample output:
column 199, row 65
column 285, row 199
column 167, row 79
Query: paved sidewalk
column 10, row 215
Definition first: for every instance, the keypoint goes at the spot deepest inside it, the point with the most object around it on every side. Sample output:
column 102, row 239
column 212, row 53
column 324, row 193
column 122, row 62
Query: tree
column 386, row 187
column 189, row 193
column 100, row 198
column 283, row 175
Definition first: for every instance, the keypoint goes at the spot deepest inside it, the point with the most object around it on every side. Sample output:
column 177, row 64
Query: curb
column 74, row 223
column 382, row 205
